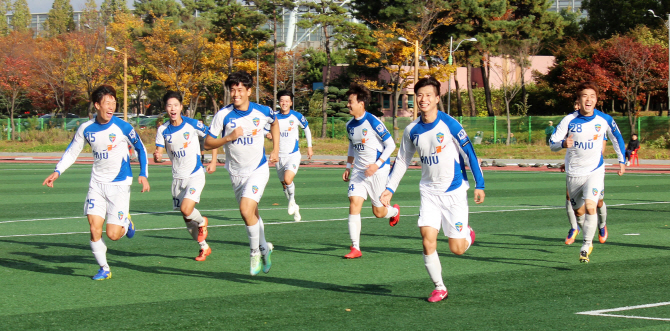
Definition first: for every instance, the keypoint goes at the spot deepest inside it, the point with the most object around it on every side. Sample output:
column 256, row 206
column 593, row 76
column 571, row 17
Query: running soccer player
column 370, row 146
column 445, row 150
column 289, row 150
column 582, row 133
column 180, row 137
column 109, row 190
column 241, row 125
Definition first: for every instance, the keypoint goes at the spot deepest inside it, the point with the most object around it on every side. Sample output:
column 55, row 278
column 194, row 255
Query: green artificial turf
column 519, row 275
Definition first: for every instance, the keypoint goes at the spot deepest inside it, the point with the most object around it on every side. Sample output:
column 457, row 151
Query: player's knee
column 288, row 181
column 186, row 210
column 600, row 203
column 379, row 212
column 457, row 250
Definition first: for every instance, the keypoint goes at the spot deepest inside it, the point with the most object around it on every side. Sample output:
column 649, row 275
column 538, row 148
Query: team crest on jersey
column 112, row 137
column 365, row 132
column 598, row 126
column 256, row 120
column 440, row 137
column 120, row 215
column 595, row 191
column 459, row 226
column 191, row 191
column 294, row 166
column 290, row 122
column 186, row 135
column 254, row 189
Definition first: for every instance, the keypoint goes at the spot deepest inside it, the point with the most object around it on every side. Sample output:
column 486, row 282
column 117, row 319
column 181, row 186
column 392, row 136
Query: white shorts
column 589, row 187
column 447, row 211
column 361, row 186
column 251, row 186
column 111, row 202
column 288, row 162
column 187, row 188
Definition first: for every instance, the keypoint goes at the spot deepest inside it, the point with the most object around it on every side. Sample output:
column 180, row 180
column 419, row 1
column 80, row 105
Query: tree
column 15, row 72
column 151, row 10
column 53, row 72
column 110, row 8
column 21, row 16
column 90, row 16
column 609, row 17
column 5, row 6
column 60, row 18
column 91, row 66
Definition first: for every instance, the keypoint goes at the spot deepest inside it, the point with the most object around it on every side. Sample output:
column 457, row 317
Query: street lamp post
column 667, row 25
column 125, row 81
column 450, row 61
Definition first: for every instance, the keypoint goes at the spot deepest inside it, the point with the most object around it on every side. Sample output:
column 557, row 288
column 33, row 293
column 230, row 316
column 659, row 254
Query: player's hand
column 268, row 135
column 345, row 175
column 238, row 132
column 562, row 167
column 211, row 167
column 479, row 196
column 310, row 153
column 145, row 183
column 622, row 169
column 158, row 158
column 274, row 156
column 568, row 142
column 372, row 168
column 50, row 180
column 385, row 199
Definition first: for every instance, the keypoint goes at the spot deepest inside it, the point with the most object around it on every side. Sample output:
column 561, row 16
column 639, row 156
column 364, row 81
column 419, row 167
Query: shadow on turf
column 559, row 242
column 30, row 266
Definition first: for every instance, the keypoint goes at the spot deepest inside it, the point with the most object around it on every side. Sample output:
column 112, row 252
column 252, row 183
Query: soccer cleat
column 267, row 263
column 256, row 265
column 394, row 220
column 292, row 207
column 602, row 234
column 204, row 253
column 355, row 253
column 584, row 255
column 202, row 231
column 296, row 214
column 438, row 295
column 472, row 235
column 103, row 274
column 131, row 228
column 572, row 235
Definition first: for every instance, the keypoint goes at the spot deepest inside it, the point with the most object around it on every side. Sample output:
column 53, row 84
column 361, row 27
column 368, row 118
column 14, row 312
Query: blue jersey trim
column 198, row 164
column 390, row 190
column 458, row 176
column 124, row 172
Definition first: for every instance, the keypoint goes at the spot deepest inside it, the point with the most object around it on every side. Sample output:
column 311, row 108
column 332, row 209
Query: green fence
column 23, row 125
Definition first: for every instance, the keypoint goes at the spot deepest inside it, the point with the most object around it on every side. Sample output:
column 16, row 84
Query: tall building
column 570, row 5
column 38, row 19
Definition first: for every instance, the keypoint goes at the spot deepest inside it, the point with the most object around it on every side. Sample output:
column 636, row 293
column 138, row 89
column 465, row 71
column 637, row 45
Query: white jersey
column 109, row 144
column 588, row 133
column 289, row 133
column 445, row 150
column 246, row 153
column 183, row 146
column 369, row 141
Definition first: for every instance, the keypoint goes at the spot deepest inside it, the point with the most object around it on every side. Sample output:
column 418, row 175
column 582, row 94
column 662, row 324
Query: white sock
column 355, row 230
column 192, row 228
column 254, row 233
column 196, row 217
column 203, row 245
column 571, row 214
column 602, row 212
column 126, row 225
column 390, row 212
column 286, row 194
column 590, row 226
column 290, row 188
column 434, row 269
column 263, row 245
column 100, row 253
column 580, row 220
column 468, row 238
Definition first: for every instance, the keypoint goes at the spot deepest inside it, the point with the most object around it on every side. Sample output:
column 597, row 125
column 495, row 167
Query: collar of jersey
column 106, row 125
column 280, row 115
column 580, row 115
column 430, row 126
column 178, row 127
column 356, row 122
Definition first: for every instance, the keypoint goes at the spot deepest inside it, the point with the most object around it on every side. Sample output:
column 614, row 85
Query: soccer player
column 241, row 125
column 289, row 150
column 370, row 146
column 445, row 150
column 180, row 136
column 109, row 190
column 582, row 134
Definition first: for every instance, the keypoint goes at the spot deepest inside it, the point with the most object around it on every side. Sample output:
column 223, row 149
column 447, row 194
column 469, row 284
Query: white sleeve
column 308, row 136
column 556, row 140
column 216, row 129
column 350, row 152
column 402, row 161
column 389, row 147
column 160, row 140
column 72, row 151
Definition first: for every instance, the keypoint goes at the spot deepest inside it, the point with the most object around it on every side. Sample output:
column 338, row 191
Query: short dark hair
column 361, row 92
column 427, row 81
column 585, row 86
column 100, row 93
column 171, row 94
column 240, row 77
column 284, row 93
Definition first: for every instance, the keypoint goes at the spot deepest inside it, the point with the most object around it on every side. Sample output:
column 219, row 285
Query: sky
column 43, row 6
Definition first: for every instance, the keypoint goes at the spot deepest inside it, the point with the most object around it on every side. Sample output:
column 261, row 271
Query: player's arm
column 619, row 145
column 158, row 154
column 211, row 167
column 135, row 140
column 467, row 151
column 389, row 146
column 160, row 145
column 217, row 129
column 560, row 138
column 405, row 153
column 308, row 137
column 69, row 157
column 274, row 130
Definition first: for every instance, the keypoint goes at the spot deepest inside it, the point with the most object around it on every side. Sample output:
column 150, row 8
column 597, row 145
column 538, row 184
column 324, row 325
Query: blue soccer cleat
column 103, row 274
column 131, row 228
column 572, row 235
column 256, row 265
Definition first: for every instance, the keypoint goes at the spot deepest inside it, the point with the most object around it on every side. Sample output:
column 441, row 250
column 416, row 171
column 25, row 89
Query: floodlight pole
column 125, row 81
column 667, row 25
column 450, row 61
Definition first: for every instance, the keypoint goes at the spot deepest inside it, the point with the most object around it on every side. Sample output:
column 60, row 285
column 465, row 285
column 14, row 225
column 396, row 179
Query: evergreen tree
column 60, row 18
column 609, row 17
column 90, row 16
column 150, row 10
column 5, row 6
column 21, row 16
column 109, row 8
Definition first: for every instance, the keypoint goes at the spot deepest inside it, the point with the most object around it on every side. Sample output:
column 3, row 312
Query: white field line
column 604, row 312
column 293, row 222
